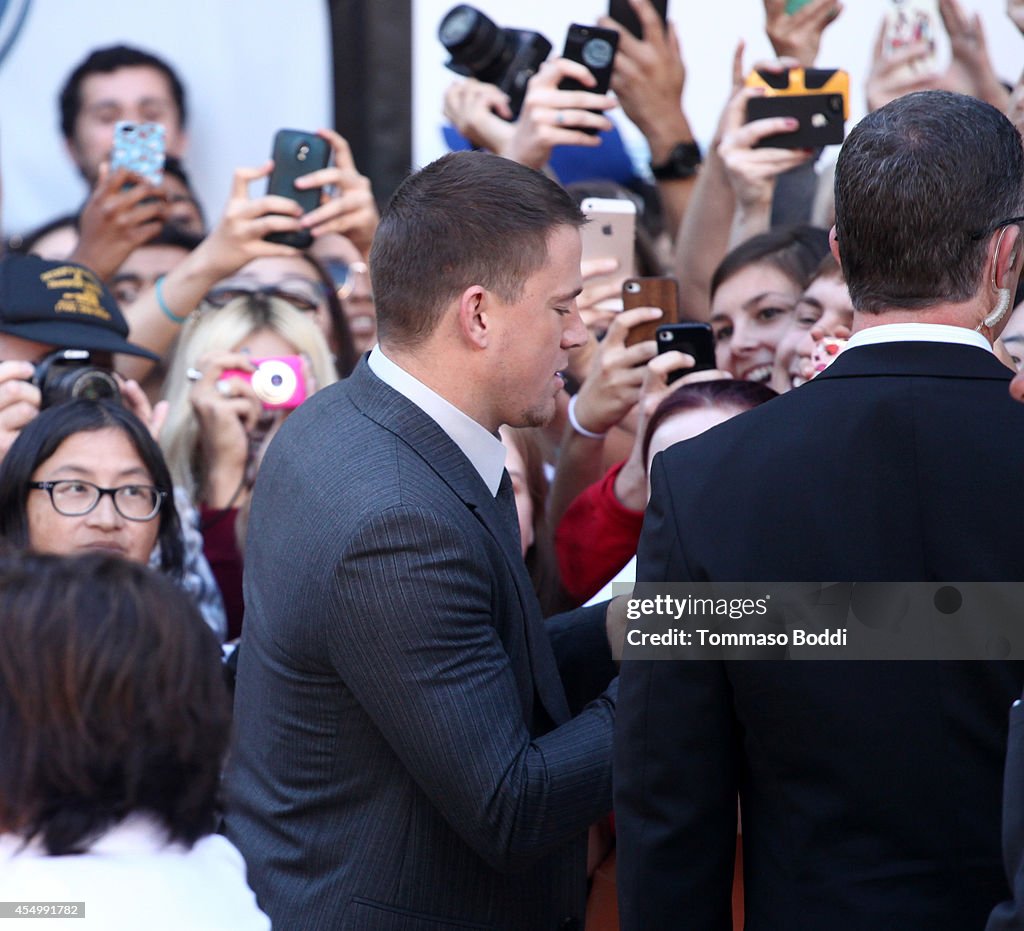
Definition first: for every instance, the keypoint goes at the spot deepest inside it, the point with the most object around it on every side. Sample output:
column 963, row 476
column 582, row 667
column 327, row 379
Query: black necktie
column 506, row 501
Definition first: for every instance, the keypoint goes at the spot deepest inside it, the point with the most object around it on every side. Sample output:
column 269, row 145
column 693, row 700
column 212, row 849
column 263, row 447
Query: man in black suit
column 406, row 757
column 869, row 790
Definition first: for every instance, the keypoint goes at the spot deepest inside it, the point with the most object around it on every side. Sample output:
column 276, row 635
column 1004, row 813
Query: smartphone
column 908, row 22
column 595, row 48
column 696, row 339
column 610, row 234
column 818, row 98
column 657, row 291
column 296, row 153
column 622, row 12
column 141, row 148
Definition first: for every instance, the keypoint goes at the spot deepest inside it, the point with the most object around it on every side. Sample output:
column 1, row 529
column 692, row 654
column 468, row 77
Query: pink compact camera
column 277, row 381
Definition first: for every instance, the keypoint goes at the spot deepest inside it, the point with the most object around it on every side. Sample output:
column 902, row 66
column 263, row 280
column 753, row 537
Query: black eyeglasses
column 997, row 226
column 74, row 497
column 303, row 293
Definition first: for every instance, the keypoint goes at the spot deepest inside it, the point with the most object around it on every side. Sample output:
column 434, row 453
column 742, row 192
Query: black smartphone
column 296, row 153
column 817, row 98
column 595, row 48
column 622, row 12
column 820, row 117
column 695, row 339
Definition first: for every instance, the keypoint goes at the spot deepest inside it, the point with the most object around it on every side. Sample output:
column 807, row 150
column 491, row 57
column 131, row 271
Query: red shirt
column 596, row 537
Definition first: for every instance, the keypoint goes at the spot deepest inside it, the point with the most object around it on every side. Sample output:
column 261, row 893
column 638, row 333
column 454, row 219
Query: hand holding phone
column 296, row 153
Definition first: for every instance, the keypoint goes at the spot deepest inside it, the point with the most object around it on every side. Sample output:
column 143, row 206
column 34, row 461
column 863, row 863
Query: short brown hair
column 112, row 701
column 919, row 184
column 468, row 218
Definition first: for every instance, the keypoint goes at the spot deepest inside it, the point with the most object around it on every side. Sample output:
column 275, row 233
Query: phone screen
column 912, row 22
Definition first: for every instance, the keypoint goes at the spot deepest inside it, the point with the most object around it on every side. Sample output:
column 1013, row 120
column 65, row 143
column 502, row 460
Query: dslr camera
column 72, row 373
column 479, row 49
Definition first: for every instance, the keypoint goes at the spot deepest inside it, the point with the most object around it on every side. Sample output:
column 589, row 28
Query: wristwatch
column 682, row 162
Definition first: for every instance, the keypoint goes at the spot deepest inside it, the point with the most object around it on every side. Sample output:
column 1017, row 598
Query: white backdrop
column 249, row 69
column 254, row 67
column 708, row 31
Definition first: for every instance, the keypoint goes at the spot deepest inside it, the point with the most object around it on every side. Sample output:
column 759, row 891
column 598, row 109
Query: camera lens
column 274, row 382
column 94, row 385
column 477, row 46
column 597, row 53
column 458, row 26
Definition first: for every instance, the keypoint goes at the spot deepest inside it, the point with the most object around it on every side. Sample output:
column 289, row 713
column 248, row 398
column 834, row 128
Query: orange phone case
column 818, row 98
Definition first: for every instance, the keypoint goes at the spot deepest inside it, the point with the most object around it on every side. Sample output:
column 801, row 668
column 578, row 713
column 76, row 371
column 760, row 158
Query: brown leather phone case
column 663, row 292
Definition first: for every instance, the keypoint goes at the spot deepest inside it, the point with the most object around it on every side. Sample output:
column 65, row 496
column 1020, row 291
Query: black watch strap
column 682, row 162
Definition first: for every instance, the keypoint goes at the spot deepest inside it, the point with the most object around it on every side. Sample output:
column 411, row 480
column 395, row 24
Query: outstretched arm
column 649, row 77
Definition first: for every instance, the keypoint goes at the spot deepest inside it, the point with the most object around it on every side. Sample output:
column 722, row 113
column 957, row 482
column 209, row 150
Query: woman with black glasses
column 86, row 476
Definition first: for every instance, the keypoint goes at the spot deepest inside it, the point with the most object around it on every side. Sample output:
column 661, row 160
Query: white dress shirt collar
column 918, row 333
column 482, row 448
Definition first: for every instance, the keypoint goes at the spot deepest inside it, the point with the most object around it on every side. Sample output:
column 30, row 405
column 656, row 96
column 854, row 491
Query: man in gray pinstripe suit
column 406, row 757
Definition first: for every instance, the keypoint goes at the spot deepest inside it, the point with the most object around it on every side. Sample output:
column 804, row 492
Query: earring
column 999, row 311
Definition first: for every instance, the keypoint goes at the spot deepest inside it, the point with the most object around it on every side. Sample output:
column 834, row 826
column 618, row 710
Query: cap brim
column 66, row 334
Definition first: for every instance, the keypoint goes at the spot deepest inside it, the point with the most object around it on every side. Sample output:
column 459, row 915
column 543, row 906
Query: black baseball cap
column 62, row 304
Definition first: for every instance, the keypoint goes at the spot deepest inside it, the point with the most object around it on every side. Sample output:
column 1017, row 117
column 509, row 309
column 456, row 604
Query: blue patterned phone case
column 139, row 147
